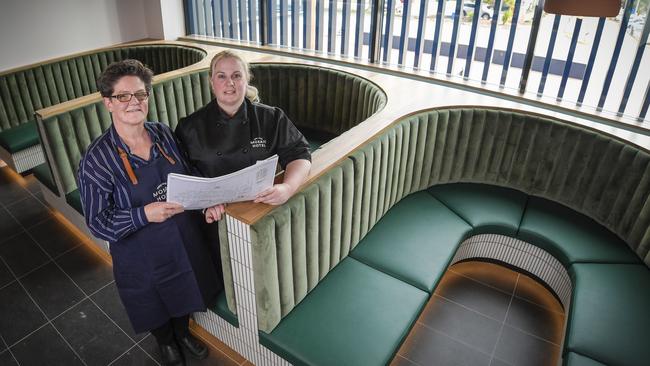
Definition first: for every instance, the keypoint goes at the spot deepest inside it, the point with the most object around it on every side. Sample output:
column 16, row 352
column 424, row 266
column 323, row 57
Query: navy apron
column 163, row 270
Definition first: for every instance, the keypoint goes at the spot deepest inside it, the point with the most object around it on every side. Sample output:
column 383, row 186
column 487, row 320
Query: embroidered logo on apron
column 258, row 142
column 160, row 194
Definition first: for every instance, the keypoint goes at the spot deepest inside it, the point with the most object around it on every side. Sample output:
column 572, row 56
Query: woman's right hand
column 214, row 213
column 161, row 211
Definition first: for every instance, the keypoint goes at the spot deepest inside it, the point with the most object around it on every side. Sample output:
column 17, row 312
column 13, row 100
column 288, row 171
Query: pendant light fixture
column 583, row 8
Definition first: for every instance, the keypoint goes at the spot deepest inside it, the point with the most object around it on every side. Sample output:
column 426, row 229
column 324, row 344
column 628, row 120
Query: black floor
column 58, row 301
column 485, row 314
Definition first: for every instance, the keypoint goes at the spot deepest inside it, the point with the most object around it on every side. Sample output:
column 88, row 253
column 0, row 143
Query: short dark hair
column 116, row 70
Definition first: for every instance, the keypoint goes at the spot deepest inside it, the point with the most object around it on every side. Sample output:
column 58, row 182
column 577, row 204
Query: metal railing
column 507, row 44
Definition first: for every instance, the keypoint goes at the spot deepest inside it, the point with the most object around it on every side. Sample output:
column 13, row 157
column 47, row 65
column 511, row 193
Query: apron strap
column 169, row 158
column 127, row 166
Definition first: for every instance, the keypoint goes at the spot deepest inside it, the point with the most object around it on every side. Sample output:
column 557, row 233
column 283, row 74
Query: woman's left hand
column 276, row 195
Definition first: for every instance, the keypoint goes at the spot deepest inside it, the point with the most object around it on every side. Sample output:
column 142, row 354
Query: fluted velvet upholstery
column 27, row 90
column 592, row 173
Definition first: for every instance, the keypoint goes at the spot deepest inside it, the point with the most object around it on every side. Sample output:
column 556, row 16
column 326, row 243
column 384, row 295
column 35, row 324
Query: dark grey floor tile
column 86, row 269
column 491, row 274
column 536, row 320
column 8, row 225
column 401, row 361
column 53, row 237
column 150, row 346
column 533, row 291
column 18, row 317
column 428, row 347
column 474, row 295
column 461, row 324
column 91, row 334
column 135, row 357
column 31, row 183
column 6, row 358
column 45, row 347
column 109, row 301
column 52, row 290
column 29, row 211
column 22, row 254
column 11, row 192
column 497, row 362
column 517, row 348
column 5, row 276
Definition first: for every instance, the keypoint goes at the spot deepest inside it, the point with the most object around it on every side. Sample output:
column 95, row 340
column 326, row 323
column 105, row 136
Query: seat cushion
column 570, row 236
column 355, row 316
column 489, row 209
column 574, row 359
column 20, row 137
column 221, row 309
column 610, row 313
column 414, row 241
column 74, row 199
column 44, row 175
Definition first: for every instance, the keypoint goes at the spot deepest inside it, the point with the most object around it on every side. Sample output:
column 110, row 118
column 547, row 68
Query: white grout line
column 45, row 316
column 503, row 323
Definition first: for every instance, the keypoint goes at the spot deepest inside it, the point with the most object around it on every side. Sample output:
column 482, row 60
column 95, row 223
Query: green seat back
column 323, row 103
column 26, row 90
column 597, row 175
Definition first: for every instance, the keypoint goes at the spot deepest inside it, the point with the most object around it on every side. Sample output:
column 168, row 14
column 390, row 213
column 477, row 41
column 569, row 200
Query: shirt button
column 243, row 122
column 245, row 150
column 218, row 153
column 218, row 124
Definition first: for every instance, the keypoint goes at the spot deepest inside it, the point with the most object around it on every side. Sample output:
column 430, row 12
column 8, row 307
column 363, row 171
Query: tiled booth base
column 245, row 340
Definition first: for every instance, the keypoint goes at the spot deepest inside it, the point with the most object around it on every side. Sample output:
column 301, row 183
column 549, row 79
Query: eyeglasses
column 139, row 95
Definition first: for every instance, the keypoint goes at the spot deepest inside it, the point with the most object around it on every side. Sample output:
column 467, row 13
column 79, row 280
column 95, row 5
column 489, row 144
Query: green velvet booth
column 68, row 133
column 408, row 197
column 27, row 89
column 323, row 103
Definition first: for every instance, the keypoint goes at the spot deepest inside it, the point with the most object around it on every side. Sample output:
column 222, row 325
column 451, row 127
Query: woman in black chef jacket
column 233, row 131
column 161, row 262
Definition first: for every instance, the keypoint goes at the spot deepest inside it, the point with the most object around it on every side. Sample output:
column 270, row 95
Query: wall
column 37, row 30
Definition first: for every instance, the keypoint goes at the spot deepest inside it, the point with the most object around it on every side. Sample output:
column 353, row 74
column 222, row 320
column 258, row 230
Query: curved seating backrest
column 598, row 175
column 29, row 89
column 68, row 134
column 321, row 99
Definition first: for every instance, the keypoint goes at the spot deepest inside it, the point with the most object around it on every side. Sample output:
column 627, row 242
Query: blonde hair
column 251, row 92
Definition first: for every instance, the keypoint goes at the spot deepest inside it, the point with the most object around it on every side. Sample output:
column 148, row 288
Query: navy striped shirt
column 104, row 183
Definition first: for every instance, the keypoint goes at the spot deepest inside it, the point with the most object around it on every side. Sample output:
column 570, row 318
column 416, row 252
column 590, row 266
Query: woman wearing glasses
column 161, row 263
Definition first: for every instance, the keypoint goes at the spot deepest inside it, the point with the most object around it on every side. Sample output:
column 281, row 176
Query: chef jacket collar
column 240, row 115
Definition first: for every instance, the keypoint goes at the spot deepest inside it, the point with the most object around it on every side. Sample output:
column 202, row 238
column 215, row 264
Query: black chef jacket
column 217, row 144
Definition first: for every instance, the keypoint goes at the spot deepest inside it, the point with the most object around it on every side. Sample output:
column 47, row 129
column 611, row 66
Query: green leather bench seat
column 570, row 236
column 20, row 137
column 221, row 309
column 488, row 208
column 74, row 199
column 609, row 320
column 356, row 315
column 574, row 359
column 414, row 241
column 44, row 175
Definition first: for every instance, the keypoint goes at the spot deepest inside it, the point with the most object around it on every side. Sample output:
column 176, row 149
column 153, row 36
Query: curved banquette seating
column 348, row 263
column 27, row 89
column 323, row 103
column 67, row 132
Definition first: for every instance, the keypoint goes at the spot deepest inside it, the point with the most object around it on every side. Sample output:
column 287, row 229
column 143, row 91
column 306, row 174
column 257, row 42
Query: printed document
column 196, row 193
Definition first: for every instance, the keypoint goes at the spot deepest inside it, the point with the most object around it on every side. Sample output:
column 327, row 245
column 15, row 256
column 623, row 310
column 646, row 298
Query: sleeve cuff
column 138, row 217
